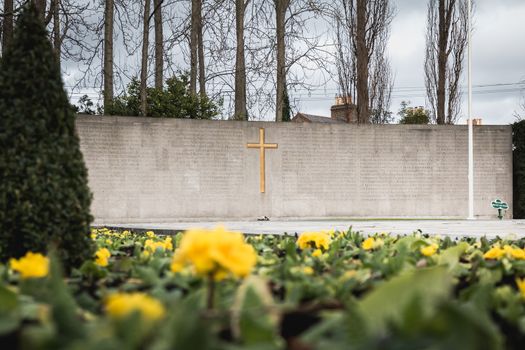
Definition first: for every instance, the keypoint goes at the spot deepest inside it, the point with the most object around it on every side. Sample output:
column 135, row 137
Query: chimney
column 344, row 109
column 475, row 121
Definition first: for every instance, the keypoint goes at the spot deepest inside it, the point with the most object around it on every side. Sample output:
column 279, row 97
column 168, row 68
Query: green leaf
column 9, row 312
column 254, row 318
column 450, row 257
column 388, row 301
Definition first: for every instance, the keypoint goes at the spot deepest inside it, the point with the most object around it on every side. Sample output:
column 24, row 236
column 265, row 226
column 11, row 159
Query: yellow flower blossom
column 429, row 250
column 349, row 274
column 32, row 265
column 317, row 253
column 318, row 240
column 494, row 253
column 109, row 241
column 102, row 256
column 152, row 245
column 150, row 234
column 518, row 254
column 520, row 282
column 368, row 244
column 120, row 305
column 215, row 253
column 307, row 270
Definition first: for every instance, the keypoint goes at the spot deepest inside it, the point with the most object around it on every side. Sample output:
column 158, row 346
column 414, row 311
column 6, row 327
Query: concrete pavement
column 455, row 228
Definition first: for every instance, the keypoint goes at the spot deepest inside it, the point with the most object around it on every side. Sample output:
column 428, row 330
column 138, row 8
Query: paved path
column 475, row 228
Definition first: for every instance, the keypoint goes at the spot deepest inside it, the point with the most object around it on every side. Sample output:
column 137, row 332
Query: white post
column 470, row 126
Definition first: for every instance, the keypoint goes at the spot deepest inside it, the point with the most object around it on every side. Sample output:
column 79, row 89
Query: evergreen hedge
column 44, row 197
column 518, row 155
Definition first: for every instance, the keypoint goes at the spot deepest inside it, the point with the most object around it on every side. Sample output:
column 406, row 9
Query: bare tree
column 41, row 7
column 57, row 35
column 240, row 112
column 197, row 66
column 159, row 44
column 144, row 59
column 364, row 74
column 108, row 53
column 7, row 26
column 446, row 39
column 281, row 6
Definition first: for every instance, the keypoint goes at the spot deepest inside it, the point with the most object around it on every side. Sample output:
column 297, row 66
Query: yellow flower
column 368, row 244
column 102, row 255
column 168, row 245
column 215, row 252
column 517, row 253
column 349, row 274
column 307, row 270
column 319, row 240
column 150, row 234
column 176, row 266
column 520, row 282
column 152, row 246
column 429, row 250
column 494, row 253
column 317, row 253
column 109, row 241
column 32, row 265
column 120, row 305
column 93, row 236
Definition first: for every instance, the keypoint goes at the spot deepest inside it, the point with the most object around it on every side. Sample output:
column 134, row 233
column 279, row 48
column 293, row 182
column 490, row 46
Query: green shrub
column 518, row 155
column 44, row 197
column 173, row 101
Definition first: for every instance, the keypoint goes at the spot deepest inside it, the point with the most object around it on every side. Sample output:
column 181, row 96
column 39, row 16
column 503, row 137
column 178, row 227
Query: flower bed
column 214, row 289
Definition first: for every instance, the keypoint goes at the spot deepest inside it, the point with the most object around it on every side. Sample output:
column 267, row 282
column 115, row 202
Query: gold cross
column 262, row 146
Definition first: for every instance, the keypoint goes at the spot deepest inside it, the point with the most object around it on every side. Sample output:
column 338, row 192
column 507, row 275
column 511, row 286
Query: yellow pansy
column 120, row 305
column 520, row 282
column 150, row 234
column 494, row 253
column 216, row 252
column 518, row 254
column 368, row 244
column 317, row 240
column 307, row 270
column 317, row 253
column 429, row 250
column 31, row 265
column 101, row 257
column 349, row 274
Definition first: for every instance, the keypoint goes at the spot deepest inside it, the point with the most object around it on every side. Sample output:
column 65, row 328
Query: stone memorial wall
column 148, row 169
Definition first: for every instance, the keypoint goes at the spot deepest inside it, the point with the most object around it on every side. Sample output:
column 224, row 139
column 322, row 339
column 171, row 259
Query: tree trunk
column 193, row 46
column 159, row 45
column 240, row 66
column 7, row 28
column 57, row 42
column 363, row 115
column 41, row 7
column 280, row 13
column 108, row 55
column 144, row 60
column 200, row 44
column 442, row 62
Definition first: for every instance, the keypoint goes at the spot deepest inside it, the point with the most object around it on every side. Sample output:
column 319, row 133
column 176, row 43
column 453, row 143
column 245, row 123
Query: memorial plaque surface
column 157, row 169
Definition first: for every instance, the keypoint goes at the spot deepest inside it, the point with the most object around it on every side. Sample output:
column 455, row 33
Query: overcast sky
column 498, row 57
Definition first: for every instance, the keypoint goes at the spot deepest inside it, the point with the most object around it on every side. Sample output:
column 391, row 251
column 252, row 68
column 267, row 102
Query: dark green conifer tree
column 44, row 197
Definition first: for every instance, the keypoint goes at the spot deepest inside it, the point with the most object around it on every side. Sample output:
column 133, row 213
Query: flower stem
column 211, row 292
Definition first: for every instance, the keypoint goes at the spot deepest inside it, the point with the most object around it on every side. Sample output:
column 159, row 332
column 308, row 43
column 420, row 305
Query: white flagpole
column 470, row 126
